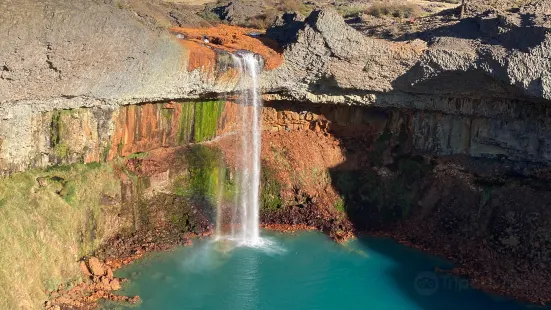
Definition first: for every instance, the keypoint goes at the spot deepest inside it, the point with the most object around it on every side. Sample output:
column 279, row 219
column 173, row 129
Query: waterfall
column 245, row 210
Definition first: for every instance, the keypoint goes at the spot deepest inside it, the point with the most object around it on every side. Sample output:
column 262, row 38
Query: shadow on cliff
column 354, row 179
column 376, row 147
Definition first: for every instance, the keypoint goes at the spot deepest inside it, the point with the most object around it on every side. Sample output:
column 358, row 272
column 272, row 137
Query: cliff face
column 491, row 69
column 479, row 86
column 443, row 141
column 378, row 170
column 84, row 53
column 56, row 55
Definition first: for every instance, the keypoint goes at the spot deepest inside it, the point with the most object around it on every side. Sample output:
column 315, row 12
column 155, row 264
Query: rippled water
column 304, row 271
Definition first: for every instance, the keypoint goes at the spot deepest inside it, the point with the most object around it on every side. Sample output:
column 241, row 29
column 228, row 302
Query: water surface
column 304, row 271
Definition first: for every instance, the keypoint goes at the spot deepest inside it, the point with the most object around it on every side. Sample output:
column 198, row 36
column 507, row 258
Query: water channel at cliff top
column 300, row 271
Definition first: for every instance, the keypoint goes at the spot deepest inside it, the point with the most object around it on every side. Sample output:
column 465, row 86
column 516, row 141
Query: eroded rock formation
column 492, row 55
column 441, row 139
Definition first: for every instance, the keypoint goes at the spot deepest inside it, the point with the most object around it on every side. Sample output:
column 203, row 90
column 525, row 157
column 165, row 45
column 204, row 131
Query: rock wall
column 98, row 134
column 464, row 187
column 498, row 129
column 64, row 55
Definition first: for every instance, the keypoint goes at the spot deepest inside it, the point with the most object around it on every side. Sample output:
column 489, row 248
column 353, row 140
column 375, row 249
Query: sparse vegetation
column 339, row 205
column 206, row 170
column 50, row 218
column 264, row 20
column 394, row 9
column 446, row 1
column 348, row 11
column 270, row 196
column 138, row 155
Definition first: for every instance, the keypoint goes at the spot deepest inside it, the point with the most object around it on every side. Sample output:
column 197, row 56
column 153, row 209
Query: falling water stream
column 244, row 216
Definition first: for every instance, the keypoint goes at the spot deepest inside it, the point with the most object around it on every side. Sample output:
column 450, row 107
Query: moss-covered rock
column 270, row 197
column 206, row 119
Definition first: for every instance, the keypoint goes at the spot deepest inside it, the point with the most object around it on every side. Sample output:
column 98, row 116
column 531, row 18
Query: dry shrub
column 265, row 20
column 291, row 6
column 262, row 21
column 394, row 9
column 446, row 1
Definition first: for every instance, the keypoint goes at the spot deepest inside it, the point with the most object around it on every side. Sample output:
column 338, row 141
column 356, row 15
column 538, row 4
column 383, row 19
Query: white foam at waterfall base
column 245, row 214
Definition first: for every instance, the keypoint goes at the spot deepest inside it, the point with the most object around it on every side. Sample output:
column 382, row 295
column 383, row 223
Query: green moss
column 93, row 166
column 167, row 114
column 120, row 146
column 55, row 129
column 204, row 176
column 68, row 192
column 105, row 153
column 339, row 205
column 348, row 184
column 61, row 150
column 206, row 120
column 270, row 196
column 138, row 155
column 59, row 133
column 59, row 147
column 186, row 123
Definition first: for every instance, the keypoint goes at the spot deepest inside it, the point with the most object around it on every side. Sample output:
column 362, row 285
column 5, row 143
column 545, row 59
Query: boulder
column 115, row 284
column 285, row 28
column 109, row 273
column 105, row 283
column 95, row 266
column 84, row 269
column 239, row 12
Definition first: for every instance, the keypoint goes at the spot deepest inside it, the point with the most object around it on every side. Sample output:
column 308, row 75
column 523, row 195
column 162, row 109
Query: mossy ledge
column 93, row 191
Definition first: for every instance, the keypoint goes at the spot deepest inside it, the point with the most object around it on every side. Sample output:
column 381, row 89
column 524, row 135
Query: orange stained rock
column 142, row 128
column 199, row 56
column 229, row 38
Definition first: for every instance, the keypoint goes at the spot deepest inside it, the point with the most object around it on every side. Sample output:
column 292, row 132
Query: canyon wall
column 98, row 134
column 441, row 182
column 495, row 54
column 443, row 142
column 461, row 68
